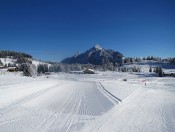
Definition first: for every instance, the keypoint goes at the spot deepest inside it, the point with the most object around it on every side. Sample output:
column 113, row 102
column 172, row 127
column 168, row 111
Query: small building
column 1, row 67
column 89, row 71
column 47, row 73
column 12, row 69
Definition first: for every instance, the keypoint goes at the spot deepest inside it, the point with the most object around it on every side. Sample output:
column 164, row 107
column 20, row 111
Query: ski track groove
column 77, row 110
column 66, row 114
column 102, row 121
column 79, row 106
column 66, row 103
column 64, row 111
column 166, row 122
column 68, row 117
column 112, row 96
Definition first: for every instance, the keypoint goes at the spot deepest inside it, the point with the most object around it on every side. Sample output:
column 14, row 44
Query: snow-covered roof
column 11, row 68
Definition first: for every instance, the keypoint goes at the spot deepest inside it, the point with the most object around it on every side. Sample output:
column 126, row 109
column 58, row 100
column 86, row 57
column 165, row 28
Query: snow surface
column 36, row 63
column 8, row 60
column 80, row 102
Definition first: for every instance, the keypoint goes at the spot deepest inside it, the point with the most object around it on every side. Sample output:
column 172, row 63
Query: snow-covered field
column 78, row 102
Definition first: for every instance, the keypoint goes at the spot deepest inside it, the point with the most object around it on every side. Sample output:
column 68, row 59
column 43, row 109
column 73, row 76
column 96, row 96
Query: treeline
column 132, row 59
column 61, row 67
column 152, row 58
column 149, row 58
column 138, row 59
column 172, row 60
column 129, row 69
column 158, row 70
column 79, row 67
column 13, row 54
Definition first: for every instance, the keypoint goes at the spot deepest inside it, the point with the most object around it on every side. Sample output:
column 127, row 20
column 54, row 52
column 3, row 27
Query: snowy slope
column 8, row 60
column 12, row 61
column 77, row 102
column 146, row 109
column 51, row 105
column 36, row 63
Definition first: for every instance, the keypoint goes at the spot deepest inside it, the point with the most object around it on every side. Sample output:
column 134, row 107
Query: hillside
column 10, row 57
column 11, row 61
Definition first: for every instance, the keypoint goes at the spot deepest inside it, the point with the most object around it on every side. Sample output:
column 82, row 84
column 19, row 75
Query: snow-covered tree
column 42, row 68
column 29, row 69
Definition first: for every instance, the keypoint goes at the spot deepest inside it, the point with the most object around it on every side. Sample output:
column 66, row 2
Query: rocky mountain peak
column 98, row 47
column 97, row 56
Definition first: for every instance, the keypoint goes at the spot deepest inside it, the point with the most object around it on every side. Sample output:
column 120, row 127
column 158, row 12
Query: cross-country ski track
column 53, row 106
column 83, row 103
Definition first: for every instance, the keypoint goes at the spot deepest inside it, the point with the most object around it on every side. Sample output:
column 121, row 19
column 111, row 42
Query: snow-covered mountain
column 97, row 56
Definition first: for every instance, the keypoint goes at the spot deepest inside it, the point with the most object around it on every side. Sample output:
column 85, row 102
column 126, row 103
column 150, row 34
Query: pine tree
column 154, row 69
column 150, row 69
column 29, row 69
column 160, row 72
column 157, row 70
column 1, row 63
column 5, row 65
column 42, row 68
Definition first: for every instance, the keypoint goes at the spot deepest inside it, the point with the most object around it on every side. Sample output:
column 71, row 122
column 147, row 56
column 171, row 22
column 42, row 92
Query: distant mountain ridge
column 97, row 56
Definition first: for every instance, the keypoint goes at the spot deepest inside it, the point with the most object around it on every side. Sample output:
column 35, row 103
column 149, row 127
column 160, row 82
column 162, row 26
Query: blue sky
column 55, row 29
